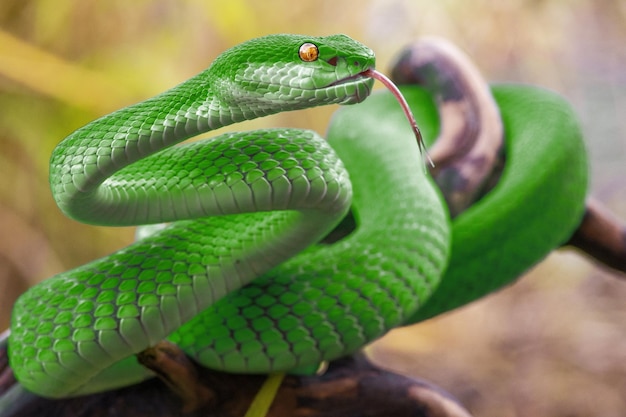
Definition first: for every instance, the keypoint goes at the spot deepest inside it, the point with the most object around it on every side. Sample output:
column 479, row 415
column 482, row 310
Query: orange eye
column 308, row 52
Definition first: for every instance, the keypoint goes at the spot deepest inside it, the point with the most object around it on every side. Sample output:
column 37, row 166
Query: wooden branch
column 602, row 236
column 179, row 373
column 468, row 153
column 7, row 380
column 351, row 387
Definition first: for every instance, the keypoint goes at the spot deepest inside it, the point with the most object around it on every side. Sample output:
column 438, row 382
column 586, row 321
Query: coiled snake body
column 242, row 205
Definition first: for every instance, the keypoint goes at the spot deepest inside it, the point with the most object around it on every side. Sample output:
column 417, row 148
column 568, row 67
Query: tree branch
column 602, row 236
column 351, row 387
column 468, row 153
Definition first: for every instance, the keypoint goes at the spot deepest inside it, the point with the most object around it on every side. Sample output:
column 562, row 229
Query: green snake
column 235, row 277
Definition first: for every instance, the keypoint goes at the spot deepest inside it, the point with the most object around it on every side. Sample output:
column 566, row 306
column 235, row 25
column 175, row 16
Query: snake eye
column 308, row 52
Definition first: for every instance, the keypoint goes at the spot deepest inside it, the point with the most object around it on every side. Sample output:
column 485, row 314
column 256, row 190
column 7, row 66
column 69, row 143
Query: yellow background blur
column 554, row 344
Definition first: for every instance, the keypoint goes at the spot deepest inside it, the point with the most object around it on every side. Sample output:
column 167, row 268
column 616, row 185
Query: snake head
column 289, row 72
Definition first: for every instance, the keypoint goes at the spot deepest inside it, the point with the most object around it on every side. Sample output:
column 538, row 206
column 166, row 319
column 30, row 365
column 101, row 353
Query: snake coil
column 221, row 280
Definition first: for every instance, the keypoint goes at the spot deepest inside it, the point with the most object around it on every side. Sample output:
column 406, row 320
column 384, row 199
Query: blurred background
column 553, row 344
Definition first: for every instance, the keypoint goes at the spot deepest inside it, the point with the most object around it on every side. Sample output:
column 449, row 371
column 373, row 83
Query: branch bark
column 468, row 153
column 602, row 236
column 351, row 387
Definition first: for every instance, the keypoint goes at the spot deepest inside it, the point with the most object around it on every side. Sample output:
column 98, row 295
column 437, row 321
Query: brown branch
column 468, row 152
column 178, row 372
column 602, row 236
column 350, row 387
column 6, row 376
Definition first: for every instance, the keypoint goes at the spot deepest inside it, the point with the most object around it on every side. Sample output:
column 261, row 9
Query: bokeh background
column 553, row 344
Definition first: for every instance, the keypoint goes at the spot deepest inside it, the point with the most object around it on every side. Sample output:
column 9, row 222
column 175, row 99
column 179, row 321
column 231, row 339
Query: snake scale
column 235, row 277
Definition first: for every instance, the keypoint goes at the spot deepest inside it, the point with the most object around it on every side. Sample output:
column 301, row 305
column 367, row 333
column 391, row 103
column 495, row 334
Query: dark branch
column 468, row 151
column 351, row 387
column 178, row 372
column 602, row 236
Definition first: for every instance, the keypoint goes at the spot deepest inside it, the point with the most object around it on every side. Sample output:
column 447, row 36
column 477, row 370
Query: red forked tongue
column 405, row 107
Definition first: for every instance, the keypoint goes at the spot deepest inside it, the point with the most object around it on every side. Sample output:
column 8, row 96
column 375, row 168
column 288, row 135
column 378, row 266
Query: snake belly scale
column 239, row 205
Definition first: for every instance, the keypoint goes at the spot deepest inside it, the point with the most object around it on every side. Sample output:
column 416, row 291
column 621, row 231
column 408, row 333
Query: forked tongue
column 405, row 107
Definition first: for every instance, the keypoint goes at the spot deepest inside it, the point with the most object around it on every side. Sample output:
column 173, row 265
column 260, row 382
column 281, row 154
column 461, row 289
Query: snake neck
column 93, row 153
column 217, row 97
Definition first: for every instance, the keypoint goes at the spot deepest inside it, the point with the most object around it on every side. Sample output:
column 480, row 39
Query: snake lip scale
column 358, row 77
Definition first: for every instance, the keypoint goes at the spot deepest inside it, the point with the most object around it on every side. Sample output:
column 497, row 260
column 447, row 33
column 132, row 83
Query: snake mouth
column 355, row 88
column 347, row 80
column 361, row 76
